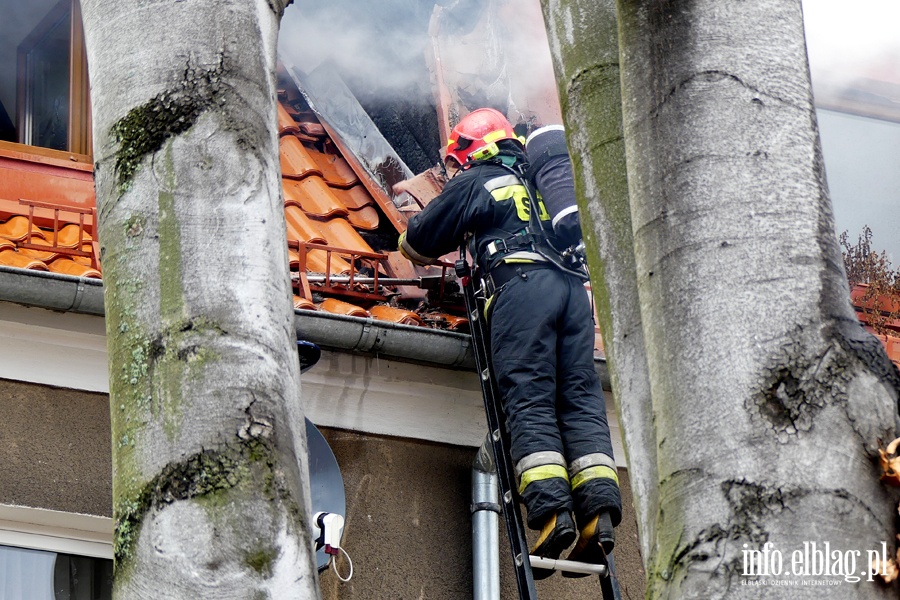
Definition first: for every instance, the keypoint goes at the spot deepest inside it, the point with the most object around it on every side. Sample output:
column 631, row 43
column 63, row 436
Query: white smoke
column 376, row 44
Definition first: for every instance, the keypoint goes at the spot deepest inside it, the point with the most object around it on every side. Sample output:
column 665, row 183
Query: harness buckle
column 496, row 247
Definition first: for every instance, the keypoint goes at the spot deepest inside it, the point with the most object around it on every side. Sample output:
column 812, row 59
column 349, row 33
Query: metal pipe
column 485, row 526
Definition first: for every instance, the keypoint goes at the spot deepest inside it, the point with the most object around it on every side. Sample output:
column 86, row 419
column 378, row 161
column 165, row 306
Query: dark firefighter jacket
column 483, row 203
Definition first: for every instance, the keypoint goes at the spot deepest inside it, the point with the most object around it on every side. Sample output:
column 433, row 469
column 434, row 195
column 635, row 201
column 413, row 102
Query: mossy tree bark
column 768, row 397
column 585, row 50
column 210, row 484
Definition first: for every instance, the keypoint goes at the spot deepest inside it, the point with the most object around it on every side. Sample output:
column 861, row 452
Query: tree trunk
column 210, row 485
column 768, row 398
column 585, row 50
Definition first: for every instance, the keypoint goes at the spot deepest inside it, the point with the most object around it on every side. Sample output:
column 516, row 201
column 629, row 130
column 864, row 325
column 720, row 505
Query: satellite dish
column 325, row 482
column 309, row 354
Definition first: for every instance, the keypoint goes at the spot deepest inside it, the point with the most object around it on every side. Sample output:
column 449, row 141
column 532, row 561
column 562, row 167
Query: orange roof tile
column 40, row 254
column 364, row 218
column 300, row 228
column 11, row 258
column 16, row 229
column 317, row 261
column 395, row 315
column 286, row 123
column 68, row 236
column 320, row 261
column 295, row 159
column 339, row 307
column 68, row 266
column 342, row 235
column 354, row 198
column 303, row 303
column 335, row 170
column 314, row 196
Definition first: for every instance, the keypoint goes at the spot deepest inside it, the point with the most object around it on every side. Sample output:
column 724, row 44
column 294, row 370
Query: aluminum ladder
column 500, row 444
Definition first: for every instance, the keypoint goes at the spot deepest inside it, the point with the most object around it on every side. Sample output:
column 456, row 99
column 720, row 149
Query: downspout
column 485, row 526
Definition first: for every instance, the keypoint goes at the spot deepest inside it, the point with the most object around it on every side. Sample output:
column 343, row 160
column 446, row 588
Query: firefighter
column 541, row 337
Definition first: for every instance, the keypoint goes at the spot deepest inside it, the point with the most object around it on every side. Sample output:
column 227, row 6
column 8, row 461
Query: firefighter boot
column 556, row 535
column 597, row 539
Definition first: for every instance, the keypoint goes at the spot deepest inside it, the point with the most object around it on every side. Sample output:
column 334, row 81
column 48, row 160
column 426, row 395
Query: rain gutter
column 335, row 332
column 67, row 293
column 53, row 291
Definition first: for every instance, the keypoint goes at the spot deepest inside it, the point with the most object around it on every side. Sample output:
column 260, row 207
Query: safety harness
column 534, row 238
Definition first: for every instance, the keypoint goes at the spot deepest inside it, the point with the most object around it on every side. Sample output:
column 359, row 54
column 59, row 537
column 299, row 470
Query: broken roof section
column 352, row 129
column 341, row 223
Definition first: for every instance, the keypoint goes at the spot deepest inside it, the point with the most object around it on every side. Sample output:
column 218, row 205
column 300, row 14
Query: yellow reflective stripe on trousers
column 541, row 473
column 598, row 472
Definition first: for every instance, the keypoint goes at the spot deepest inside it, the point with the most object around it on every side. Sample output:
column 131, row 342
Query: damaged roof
column 47, row 223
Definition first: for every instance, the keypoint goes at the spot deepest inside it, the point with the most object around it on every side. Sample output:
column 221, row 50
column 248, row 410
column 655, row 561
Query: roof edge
column 68, row 293
column 53, row 291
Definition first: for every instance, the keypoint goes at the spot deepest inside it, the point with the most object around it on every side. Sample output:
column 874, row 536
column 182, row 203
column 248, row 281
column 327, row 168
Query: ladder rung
column 567, row 565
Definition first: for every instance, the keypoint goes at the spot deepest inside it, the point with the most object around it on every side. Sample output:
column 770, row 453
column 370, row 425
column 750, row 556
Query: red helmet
column 477, row 130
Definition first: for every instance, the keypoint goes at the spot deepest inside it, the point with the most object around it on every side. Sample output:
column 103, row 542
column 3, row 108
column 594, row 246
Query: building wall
column 54, row 448
column 408, row 528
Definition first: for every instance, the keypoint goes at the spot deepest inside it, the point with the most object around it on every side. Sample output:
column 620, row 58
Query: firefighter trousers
column 542, row 341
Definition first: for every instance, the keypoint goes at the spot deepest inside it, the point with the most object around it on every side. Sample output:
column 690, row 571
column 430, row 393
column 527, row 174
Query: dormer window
column 44, row 94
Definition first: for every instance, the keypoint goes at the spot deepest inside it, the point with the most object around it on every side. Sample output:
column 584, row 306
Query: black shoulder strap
column 539, row 235
column 556, row 147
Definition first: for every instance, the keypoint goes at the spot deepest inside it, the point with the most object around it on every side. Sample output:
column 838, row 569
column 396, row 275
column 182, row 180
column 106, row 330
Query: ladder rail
column 500, row 444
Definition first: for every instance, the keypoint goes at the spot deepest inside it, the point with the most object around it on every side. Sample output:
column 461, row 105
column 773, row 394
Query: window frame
column 56, row 531
column 79, row 136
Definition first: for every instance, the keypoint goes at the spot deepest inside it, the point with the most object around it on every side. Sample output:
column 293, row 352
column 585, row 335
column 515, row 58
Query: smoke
column 488, row 53
column 494, row 52
column 376, row 46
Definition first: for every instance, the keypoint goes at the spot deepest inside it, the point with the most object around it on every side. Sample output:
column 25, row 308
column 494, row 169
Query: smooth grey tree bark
column 210, row 485
column 768, row 398
column 585, row 49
